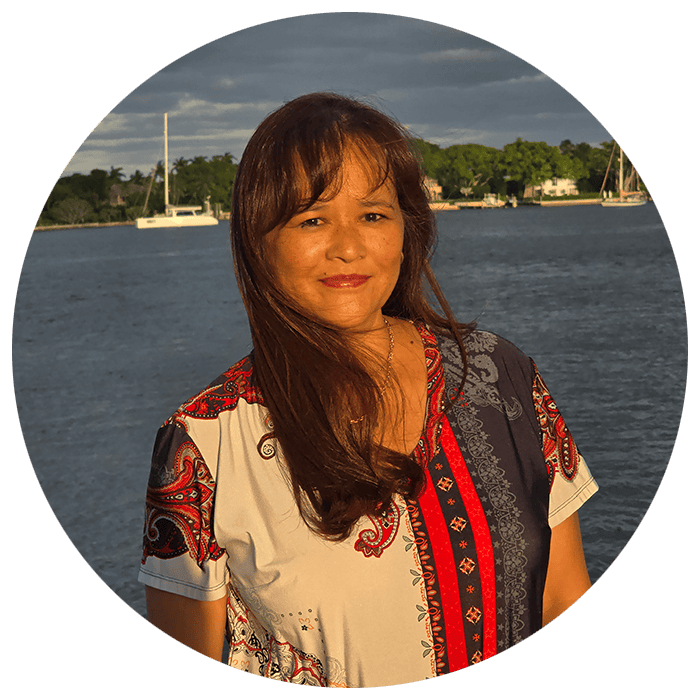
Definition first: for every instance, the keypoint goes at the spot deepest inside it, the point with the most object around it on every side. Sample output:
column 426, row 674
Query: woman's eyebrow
column 320, row 205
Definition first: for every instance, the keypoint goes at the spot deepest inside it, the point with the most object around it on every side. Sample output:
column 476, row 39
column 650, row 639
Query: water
column 115, row 327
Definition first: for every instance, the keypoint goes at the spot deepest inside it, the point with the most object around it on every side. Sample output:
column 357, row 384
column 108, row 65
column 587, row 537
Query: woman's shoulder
column 223, row 394
column 480, row 342
column 498, row 374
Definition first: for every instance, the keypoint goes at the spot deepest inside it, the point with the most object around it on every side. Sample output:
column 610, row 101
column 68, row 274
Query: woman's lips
column 345, row 280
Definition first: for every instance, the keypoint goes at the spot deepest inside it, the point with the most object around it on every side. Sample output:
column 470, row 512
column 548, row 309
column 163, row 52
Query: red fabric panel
column 482, row 536
column 447, row 578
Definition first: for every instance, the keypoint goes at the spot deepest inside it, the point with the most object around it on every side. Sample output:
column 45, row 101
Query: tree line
column 472, row 170
column 103, row 197
column 469, row 170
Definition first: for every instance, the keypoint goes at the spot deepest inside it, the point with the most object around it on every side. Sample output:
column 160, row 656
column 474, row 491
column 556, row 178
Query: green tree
column 593, row 160
column 97, row 184
column 175, row 190
column 568, row 166
column 156, row 201
column 199, row 178
column 72, row 210
column 61, row 191
column 223, row 173
column 115, row 175
column 529, row 162
column 470, row 168
column 432, row 157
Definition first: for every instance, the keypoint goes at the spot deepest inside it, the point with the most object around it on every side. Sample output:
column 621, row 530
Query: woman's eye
column 373, row 216
column 310, row 223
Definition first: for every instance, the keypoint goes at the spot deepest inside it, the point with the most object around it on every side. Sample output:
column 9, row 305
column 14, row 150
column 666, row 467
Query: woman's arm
column 567, row 575
column 199, row 624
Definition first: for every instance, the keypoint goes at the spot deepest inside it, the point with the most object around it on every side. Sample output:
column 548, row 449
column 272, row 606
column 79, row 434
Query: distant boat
column 490, row 201
column 632, row 198
column 176, row 217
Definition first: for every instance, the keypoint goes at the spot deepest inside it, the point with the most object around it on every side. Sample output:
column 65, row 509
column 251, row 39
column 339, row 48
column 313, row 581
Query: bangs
column 318, row 172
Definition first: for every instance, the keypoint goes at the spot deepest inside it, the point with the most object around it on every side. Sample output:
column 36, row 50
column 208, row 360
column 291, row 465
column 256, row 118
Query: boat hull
column 608, row 203
column 176, row 221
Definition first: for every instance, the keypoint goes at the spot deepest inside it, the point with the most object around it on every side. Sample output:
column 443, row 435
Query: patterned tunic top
column 430, row 586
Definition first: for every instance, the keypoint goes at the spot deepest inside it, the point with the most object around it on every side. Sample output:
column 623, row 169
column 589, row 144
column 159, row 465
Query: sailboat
column 632, row 198
column 176, row 217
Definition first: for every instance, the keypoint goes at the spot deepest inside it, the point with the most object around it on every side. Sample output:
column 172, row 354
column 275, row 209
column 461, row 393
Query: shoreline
column 568, row 202
column 105, row 224
column 435, row 206
column 443, row 206
column 448, row 206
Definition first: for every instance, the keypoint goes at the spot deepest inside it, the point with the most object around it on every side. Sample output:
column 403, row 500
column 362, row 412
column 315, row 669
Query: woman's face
column 340, row 259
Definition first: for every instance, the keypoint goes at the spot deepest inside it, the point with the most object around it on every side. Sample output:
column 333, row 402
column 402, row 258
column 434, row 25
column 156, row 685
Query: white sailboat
column 632, row 198
column 176, row 217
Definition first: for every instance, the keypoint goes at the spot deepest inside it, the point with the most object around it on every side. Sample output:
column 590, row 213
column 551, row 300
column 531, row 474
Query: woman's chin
column 350, row 322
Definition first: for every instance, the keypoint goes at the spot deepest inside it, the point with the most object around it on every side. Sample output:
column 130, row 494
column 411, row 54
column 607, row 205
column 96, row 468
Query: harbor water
column 115, row 327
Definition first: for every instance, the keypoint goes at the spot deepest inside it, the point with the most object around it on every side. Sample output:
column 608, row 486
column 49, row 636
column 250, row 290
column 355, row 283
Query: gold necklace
column 389, row 359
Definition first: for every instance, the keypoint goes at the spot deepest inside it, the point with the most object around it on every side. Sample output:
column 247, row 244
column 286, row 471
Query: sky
column 445, row 85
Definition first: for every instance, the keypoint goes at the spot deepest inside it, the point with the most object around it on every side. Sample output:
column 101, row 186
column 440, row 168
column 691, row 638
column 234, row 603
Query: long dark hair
column 310, row 377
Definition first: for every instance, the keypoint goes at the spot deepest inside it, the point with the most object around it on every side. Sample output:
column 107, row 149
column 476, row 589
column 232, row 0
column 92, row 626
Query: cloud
column 446, row 136
column 189, row 107
column 462, row 54
column 454, row 86
column 537, row 78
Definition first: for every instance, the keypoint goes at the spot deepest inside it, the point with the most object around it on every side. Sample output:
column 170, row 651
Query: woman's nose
column 347, row 243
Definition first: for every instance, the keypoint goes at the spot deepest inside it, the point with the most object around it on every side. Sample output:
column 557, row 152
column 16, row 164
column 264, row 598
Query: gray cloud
column 446, row 85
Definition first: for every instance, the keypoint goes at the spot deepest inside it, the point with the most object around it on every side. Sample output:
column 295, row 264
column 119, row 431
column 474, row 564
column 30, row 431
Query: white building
column 434, row 190
column 556, row 187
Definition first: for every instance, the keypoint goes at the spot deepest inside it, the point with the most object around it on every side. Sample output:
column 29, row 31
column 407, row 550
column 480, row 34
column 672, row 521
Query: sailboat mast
column 166, row 160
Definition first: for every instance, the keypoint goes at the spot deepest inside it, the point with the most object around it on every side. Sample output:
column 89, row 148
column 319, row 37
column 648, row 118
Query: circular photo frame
column 92, row 633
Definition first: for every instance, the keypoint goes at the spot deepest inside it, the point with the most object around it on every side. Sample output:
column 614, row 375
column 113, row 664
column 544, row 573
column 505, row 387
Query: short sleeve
column 570, row 481
column 180, row 551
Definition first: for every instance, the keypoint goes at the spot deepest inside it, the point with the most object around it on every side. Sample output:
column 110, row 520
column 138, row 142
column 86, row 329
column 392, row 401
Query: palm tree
column 178, row 166
column 115, row 174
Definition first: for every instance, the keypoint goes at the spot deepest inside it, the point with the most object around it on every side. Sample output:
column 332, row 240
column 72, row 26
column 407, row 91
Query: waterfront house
column 434, row 190
column 554, row 187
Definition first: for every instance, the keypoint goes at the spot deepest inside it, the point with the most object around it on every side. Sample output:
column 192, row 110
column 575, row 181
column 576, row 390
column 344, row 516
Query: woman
column 377, row 494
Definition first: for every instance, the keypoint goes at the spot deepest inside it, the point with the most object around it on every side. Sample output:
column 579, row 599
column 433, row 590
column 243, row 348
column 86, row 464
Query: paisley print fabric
column 428, row 587
column 179, row 502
